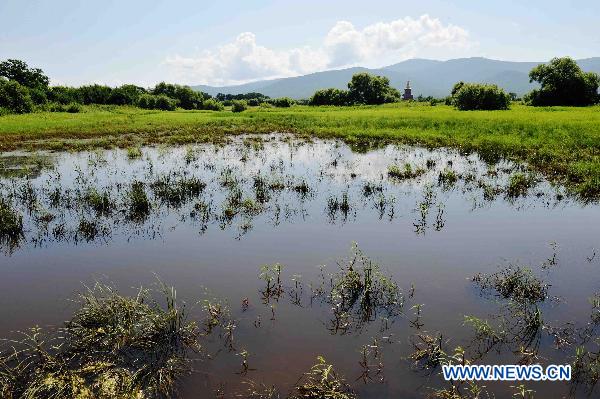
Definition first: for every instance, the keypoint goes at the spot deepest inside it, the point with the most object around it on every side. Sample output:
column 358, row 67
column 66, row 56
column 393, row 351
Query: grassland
column 563, row 143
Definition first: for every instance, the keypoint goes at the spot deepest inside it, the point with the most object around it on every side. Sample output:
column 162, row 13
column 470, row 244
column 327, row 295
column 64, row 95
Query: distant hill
column 427, row 77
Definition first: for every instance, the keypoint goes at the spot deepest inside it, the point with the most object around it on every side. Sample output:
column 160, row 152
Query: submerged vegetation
column 114, row 346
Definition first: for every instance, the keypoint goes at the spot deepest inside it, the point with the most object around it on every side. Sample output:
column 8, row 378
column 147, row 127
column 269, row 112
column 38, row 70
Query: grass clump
column 322, row 382
column 134, row 153
column 395, row 172
column 11, row 223
column 519, row 184
column 516, row 283
column 175, row 190
column 114, row 347
column 139, row 205
column 447, row 177
column 100, row 202
column 360, row 291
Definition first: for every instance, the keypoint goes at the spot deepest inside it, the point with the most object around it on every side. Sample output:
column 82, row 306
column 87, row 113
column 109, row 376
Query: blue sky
column 225, row 42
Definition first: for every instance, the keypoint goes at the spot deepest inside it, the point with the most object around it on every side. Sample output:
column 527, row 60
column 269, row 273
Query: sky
column 228, row 42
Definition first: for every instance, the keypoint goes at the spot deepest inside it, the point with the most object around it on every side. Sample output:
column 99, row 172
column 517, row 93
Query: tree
column 365, row 88
column 94, row 94
column 162, row 102
column 15, row 97
column 330, row 96
column 474, row 96
column 186, row 97
column 125, row 95
column 563, row 83
column 20, row 72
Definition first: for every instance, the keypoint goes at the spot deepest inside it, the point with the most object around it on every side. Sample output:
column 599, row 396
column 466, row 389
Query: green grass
column 563, row 143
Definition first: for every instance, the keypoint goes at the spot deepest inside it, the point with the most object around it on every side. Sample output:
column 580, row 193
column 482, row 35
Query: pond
column 269, row 227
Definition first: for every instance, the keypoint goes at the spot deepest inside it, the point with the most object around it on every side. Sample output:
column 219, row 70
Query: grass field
column 563, row 143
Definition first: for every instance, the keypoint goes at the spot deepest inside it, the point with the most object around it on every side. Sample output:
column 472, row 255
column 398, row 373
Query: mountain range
column 427, row 77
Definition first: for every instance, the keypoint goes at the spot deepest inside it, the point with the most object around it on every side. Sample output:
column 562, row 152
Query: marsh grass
column 11, row 224
column 175, row 190
column 138, row 203
column 405, row 173
column 359, row 292
column 519, row 185
column 516, row 283
column 114, row 346
column 322, row 382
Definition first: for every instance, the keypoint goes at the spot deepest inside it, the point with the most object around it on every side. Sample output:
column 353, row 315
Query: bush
column 15, row 97
column 563, row 83
column 253, row 102
column 212, row 105
column 239, row 105
column 474, row 96
column 151, row 101
column 330, row 96
column 282, row 102
column 57, row 107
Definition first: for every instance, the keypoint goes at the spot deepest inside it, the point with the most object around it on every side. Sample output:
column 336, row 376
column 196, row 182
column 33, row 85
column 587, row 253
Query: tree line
column 562, row 82
column 24, row 89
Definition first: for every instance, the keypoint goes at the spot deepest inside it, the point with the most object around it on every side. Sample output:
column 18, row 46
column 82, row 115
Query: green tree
column 186, row 97
column 365, row 88
column 126, row 95
column 20, row 72
column 563, row 83
column 94, row 94
column 475, row 96
column 15, row 97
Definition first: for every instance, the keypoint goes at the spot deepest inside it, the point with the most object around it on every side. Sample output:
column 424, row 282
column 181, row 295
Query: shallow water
column 319, row 198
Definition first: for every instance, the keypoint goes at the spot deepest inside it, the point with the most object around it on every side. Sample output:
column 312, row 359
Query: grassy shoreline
column 563, row 143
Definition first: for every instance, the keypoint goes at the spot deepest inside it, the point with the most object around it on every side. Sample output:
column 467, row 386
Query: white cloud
column 244, row 60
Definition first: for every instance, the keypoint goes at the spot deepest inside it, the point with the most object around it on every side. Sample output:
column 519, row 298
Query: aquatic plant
column 11, row 223
column 138, row 202
column 322, row 382
column 405, row 173
column 516, row 283
column 100, row 202
column 134, row 152
column 114, row 346
column 447, row 178
column 519, row 184
column 360, row 290
column 175, row 190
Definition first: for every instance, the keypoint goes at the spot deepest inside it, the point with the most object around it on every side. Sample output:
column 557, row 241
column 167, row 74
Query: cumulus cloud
column 243, row 60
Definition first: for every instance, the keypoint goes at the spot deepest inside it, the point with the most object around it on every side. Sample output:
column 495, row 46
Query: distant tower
column 407, row 92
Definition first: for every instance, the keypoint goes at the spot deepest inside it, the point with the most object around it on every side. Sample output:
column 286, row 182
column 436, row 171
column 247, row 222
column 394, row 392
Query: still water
column 303, row 204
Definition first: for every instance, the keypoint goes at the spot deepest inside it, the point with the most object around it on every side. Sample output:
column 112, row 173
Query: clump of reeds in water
column 359, row 291
column 11, row 224
column 516, row 283
column 138, row 202
column 519, row 184
column 175, row 190
column 405, row 173
column 114, row 347
column 322, row 382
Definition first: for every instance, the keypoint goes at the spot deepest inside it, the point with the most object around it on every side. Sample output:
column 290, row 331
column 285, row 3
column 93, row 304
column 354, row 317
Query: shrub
column 162, row 102
column 239, row 105
column 330, row 96
column 253, row 102
column 212, row 105
column 15, row 97
column 282, row 102
column 474, row 96
column 73, row 108
column 563, row 83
